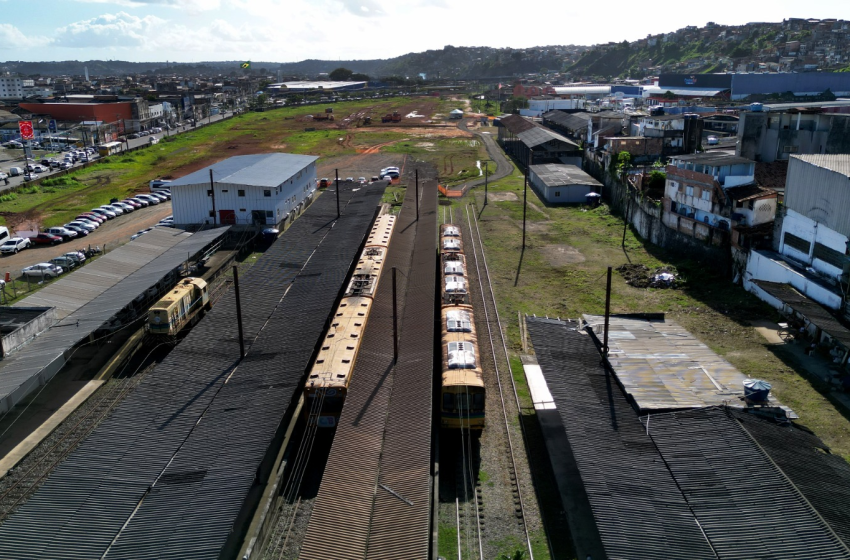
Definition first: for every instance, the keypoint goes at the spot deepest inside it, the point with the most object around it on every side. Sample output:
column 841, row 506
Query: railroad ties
column 170, row 474
column 375, row 496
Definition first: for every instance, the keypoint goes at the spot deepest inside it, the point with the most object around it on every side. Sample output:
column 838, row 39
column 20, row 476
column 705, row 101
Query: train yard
column 423, row 444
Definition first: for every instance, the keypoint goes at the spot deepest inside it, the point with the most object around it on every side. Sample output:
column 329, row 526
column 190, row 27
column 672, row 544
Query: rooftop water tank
column 756, row 390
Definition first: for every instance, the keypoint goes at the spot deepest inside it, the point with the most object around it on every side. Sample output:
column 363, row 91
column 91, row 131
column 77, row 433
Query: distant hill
column 790, row 45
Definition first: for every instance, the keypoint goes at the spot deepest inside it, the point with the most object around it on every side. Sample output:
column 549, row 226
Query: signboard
column 51, row 126
column 26, row 130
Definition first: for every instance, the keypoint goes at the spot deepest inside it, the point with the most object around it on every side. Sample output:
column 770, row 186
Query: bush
column 8, row 197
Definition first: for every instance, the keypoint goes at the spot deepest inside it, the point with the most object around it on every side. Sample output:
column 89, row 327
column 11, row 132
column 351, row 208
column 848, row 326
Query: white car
column 14, row 244
column 108, row 214
column 143, row 202
column 65, row 233
column 112, row 208
column 148, row 198
column 124, row 206
column 90, row 226
column 42, row 270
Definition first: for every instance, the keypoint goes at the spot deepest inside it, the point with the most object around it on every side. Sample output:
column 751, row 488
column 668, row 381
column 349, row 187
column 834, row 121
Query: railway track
column 22, row 481
column 493, row 349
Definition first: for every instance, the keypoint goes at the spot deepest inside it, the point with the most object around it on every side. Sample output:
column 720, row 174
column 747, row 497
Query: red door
column 227, row 217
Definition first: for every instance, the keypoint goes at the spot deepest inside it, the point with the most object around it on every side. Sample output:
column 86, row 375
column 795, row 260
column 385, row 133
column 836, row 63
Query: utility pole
column 524, row 204
column 238, row 312
column 417, row 195
column 336, row 173
column 607, row 314
column 486, row 175
column 212, row 194
column 395, row 322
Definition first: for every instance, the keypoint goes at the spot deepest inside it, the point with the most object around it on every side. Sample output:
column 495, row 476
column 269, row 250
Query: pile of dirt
column 641, row 276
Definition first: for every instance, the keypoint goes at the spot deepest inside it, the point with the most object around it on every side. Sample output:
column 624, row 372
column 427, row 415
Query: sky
column 294, row 30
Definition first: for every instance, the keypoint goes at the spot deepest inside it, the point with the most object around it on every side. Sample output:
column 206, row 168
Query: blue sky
column 293, row 30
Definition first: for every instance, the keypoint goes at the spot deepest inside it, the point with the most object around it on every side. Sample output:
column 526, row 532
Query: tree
column 359, row 77
column 515, row 103
column 624, row 163
column 340, row 75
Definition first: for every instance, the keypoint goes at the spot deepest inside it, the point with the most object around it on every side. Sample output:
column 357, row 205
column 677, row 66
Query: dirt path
column 111, row 234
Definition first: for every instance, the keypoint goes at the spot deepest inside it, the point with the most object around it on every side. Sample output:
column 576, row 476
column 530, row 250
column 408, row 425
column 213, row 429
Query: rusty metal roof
column 663, row 367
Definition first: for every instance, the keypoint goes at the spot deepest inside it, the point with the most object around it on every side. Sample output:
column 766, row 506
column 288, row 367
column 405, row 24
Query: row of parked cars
column 55, row 266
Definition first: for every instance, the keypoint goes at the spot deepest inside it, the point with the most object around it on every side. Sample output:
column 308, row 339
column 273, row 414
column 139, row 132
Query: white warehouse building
column 252, row 190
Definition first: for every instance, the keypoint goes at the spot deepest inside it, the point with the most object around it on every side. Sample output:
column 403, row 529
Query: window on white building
column 689, row 190
column 240, row 192
column 267, row 192
column 706, row 194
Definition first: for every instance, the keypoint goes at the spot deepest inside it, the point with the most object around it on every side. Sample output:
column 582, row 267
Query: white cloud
column 109, row 30
column 13, row 38
column 191, row 6
column 363, row 8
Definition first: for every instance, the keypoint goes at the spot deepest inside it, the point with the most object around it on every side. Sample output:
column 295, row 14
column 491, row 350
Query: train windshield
column 478, row 401
column 448, row 401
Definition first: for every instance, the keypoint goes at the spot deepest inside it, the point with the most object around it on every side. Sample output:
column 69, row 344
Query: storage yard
column 327, row 409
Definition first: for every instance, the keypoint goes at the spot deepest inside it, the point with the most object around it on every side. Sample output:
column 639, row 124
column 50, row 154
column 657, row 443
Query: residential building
column 680, row 134
column 713, row 197
column 11, row 88
column 811, row 251
column 248, row 191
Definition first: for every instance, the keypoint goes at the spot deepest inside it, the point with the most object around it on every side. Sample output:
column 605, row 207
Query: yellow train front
column 179, row 307
column 328, row 380
column 462, row 392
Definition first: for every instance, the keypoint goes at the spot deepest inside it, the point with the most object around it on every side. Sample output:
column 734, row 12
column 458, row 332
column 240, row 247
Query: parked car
column 323, row 182
column 361, row 180
column 144, row 203
column 112, row 208
column 64, row 233
column 92, row 217
column 134, row 203
column 3, row 176
column 160, row 196
column 79, row 230
column 140, row 233
column 90, row 226
column 108, row 214
column 65, row 263
column 41, row 270
column 148, row 198
column 15, row 244
column 351, row 179
column 127, row 208
column 45, row 239
column 77, row 256
column 165, row 193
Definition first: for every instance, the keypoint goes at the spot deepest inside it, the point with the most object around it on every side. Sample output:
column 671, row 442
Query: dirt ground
column 561, row 255
column 111, row 234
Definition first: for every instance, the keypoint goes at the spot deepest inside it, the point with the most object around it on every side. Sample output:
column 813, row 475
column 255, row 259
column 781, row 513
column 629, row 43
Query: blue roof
column 258, row 170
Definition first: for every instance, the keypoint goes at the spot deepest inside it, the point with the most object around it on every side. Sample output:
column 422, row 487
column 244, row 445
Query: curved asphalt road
column 503, row 165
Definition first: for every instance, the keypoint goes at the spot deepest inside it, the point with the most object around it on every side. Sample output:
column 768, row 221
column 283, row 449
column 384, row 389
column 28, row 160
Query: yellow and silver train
column 462, row 391
column 328, row 380
column 180, row 307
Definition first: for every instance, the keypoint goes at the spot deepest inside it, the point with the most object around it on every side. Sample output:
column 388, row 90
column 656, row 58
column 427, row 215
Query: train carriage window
column 478, row 401
column 462, row 401
column 448, row 401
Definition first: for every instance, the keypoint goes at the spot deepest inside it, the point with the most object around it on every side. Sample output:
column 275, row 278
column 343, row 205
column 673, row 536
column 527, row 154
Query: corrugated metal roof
column 745, row 504
column 582, row 90
column 258, row 170
column 808, row 308
column 558, row 174
column 749, row 192
column 839, row 163
column 571, row 121
column 383, row 436
column 167, row 475
column 36, row 363
column 540, row 135
column 637, row 508
column 662, row 366
column 703, row 483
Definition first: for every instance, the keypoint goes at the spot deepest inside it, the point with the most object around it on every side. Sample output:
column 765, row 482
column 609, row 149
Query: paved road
column 503, row 165
column 15, row 158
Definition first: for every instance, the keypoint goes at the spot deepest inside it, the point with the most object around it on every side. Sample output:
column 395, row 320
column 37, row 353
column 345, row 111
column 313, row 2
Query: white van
column 159, row 185
column 4, row 234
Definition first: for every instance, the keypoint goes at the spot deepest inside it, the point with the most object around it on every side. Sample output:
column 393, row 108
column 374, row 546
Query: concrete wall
column 28, row 330
column 762, row 267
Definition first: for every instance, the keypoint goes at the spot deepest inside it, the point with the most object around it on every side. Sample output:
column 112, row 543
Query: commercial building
column 775, row 135
column 531, row 143
column 557, row 183
column 11, row 88
column 252, row 190
column 811, row 251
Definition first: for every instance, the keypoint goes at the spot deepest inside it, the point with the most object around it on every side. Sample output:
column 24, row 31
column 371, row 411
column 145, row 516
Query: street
column 12, row 157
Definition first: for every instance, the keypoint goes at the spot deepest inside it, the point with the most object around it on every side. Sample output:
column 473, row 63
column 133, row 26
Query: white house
column 814, row 241
column 252, row 190
column 558, row 183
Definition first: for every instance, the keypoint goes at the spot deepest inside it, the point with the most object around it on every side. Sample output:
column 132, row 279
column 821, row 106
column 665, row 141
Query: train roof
column 336, row 356
column 364, row 280
column 178, row 291
column 455, row 266
column 449, row 230
column 381, row 230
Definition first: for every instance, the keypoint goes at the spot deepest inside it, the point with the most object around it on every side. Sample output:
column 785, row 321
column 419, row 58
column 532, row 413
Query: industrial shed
column 252, row 190
column 557, row 183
